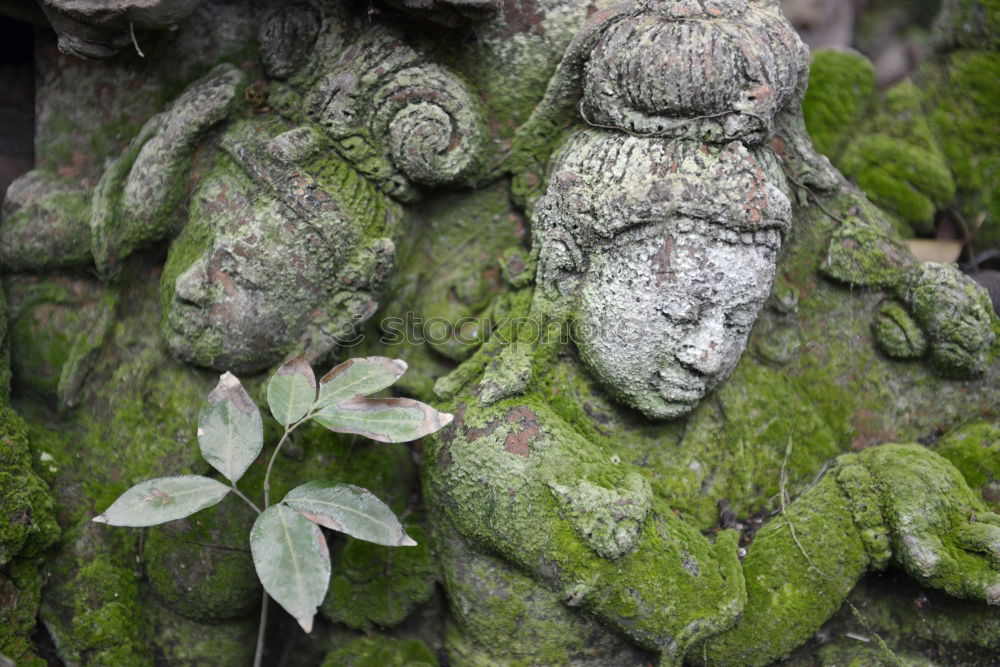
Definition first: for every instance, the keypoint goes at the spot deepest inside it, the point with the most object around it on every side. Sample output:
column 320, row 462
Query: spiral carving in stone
column 400, row 119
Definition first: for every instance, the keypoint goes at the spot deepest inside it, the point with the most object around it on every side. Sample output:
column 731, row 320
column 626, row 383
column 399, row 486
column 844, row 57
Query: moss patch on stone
column 382, row 652
column 373, row 585
column 841, row 85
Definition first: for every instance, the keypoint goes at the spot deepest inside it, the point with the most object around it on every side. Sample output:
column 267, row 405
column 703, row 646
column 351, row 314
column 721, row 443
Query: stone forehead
column 603, row 183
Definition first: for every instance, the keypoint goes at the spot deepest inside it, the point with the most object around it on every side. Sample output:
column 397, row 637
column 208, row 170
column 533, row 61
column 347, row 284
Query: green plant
column 288, row 548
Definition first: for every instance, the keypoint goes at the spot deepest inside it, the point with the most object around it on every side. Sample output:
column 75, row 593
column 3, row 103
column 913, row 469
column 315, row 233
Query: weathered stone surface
column 99, row 31
column 673, row 434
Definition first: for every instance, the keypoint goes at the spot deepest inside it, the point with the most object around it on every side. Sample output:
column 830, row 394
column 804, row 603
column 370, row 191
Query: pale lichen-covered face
column 669, row 250
column 665, row 313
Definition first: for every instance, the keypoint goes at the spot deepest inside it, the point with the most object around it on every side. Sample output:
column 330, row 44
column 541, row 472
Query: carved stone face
column 243, row 299
column 669, row 248
column 251, row 279
column 664, row 314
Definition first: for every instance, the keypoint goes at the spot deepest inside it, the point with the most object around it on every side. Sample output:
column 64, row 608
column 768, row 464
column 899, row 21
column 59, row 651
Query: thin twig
column 248, row 501
column 131, row 30
column 258, row 656
column 274, row 455
column 224, row 547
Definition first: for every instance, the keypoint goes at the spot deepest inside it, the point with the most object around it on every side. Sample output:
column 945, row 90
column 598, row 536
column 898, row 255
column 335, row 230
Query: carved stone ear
column 560, row 262
column 400, row 118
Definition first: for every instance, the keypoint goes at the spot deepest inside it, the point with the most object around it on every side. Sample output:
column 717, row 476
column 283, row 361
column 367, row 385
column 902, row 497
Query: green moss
column 957, row 316
column 99, row 610
column 787, row 598
column 852, row 653
column 51, row 229
column 501, row 615
column 200, row 567
column 194, row 241
column 896, row 334
column 933, row 141
column 969, row 24
column 865, row 254
column 382, row 652
column 841, row 88
column 975, row 450
column 27, row 522
column 964, row 93
column 42, row 336
column 453, row 291
column 20, row 595
column 188, row 643
column 377, row 585
column 913, row 619
column 904, row 179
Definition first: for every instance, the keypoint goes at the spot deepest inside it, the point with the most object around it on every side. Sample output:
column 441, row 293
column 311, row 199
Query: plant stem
column 274, row 455
column 248, row 501
column 258, row 655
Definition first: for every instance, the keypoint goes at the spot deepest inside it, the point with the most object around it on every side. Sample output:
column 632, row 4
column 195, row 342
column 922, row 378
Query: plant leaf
column 292, row 561
column 292, row 391
column 230, row 430
column 349, row 509
column 944, row 251
column 358, row 377
column 163, row 499
column 383, row 419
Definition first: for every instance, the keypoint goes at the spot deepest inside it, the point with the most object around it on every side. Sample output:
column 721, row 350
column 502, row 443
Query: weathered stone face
column 665, row 314
column 674, row 246
column 229, row 305
column 274, row 259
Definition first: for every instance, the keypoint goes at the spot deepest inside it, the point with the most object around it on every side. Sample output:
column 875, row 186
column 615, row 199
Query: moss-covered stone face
column 266, row 268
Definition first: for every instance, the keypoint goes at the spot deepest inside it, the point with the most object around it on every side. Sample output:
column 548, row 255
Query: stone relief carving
column 670, row 191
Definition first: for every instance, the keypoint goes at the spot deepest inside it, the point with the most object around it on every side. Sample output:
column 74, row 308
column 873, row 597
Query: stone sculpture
column 672, row 440
column 659, row 250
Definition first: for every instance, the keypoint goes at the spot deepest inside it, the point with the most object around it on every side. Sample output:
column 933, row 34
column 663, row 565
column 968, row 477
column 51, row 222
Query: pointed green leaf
column 349, row 509
column 358, row 377
column 163, row 499
column 292, row 391
column 290, row 556
column 230, row 430
column 383, row 419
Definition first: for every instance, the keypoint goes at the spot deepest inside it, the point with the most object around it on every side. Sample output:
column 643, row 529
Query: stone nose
column 192, row 285
column 703, row 347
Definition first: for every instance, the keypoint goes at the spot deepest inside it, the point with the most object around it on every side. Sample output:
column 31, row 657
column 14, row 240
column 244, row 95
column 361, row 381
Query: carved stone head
column 275, row 260
column 669, row 251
